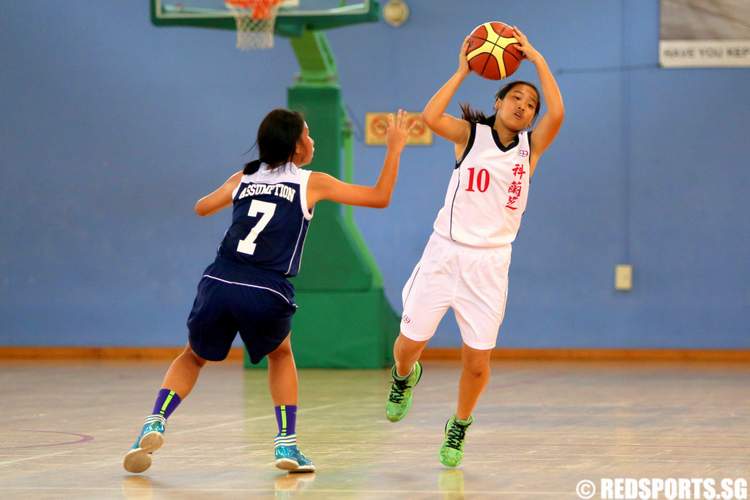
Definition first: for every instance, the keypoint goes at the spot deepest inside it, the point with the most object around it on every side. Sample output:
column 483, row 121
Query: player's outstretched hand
column 398, row 130
column 525, row 46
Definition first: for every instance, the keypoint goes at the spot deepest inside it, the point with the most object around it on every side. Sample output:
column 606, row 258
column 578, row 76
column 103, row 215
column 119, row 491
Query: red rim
column 250, row 4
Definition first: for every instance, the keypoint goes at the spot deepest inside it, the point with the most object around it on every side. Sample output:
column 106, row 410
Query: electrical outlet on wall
column 623, row 277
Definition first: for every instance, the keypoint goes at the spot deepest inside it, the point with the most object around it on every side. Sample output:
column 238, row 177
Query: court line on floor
column 83, row 438
column 36, row 457
column 250, row 419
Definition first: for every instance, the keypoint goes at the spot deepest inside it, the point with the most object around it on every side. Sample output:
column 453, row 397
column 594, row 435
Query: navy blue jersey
column 269, row 220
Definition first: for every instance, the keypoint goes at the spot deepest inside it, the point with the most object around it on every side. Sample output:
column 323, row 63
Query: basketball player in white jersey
column 465, row 264
column 245, row 289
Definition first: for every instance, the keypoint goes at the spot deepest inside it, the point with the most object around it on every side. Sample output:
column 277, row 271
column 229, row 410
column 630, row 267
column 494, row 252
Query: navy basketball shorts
column 472, row 281
column 261, row 314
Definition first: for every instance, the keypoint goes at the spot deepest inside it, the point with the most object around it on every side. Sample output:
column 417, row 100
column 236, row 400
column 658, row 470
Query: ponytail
column 472, row 115
column 251, row 167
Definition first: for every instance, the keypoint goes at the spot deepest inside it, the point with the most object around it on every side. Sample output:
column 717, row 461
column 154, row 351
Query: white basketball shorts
column 472, row 281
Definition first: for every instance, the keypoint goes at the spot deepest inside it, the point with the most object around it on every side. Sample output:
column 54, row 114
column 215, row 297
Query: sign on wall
column 704, row 33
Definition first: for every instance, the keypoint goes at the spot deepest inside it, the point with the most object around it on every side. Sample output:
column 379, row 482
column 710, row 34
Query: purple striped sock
column 166, row 402
column 286, row 419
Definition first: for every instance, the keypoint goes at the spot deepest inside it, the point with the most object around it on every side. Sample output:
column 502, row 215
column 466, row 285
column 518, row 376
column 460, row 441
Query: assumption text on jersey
column 280, row 190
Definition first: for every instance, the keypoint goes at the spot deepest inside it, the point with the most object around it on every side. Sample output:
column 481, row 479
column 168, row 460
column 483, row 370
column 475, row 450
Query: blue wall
column 112, row 128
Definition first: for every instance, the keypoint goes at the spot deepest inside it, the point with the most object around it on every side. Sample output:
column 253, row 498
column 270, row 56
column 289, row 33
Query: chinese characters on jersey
column 515, row 187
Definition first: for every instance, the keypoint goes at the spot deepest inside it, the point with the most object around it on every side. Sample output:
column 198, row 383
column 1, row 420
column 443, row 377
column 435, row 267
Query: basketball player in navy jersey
column 465, row 263
column 246, row 288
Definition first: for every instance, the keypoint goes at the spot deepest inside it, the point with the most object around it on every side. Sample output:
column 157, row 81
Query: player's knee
column 282, row 351
column 477, row 368
column 408, row 347
column 188, row 352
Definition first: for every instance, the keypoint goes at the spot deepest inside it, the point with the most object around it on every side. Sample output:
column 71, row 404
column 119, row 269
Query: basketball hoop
column 255, row 22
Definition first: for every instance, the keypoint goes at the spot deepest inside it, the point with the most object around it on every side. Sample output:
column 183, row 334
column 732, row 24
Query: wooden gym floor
column 540, row 428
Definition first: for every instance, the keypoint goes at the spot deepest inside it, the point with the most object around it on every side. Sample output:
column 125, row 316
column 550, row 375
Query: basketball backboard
column 292, row 16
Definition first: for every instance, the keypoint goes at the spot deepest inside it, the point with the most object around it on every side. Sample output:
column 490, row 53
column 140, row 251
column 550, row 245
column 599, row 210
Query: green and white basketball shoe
column 452, row 450
column 400, row 397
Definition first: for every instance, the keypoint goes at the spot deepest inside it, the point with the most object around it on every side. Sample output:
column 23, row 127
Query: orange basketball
column 493, row 51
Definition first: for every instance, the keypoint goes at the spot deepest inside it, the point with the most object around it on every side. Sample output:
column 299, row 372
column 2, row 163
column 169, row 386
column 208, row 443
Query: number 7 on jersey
column 266, row 210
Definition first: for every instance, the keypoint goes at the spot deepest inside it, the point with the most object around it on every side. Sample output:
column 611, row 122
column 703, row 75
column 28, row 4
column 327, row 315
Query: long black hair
column 277, row 139
column 472, row 115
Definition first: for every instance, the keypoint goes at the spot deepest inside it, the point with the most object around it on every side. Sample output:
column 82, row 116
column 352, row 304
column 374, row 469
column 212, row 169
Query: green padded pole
column 315, row 59
column 349, row 223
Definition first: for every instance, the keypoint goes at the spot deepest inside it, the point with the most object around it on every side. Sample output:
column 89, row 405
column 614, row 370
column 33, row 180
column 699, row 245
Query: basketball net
column 255, row 22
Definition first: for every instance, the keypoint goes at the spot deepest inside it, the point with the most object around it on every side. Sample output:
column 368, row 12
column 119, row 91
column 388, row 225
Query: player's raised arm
column 550, row 123
column 325, row 187
column 449, row 127
column 219, row 199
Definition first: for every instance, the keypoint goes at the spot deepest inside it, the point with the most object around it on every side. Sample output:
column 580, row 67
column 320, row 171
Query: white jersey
column 487, row 194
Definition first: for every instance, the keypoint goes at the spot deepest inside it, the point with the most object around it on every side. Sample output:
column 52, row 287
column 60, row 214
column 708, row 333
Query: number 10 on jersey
column 482, row 179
